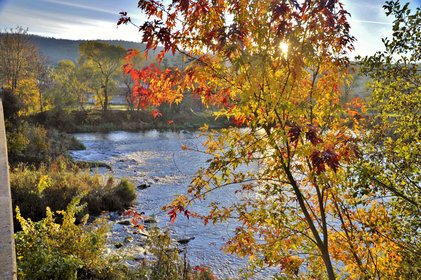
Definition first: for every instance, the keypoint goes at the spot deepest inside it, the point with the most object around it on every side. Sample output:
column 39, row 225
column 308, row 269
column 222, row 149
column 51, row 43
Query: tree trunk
column 323, row 247
column 105, row 107
column 41, row 108
column 105, row 99
column 328, row 263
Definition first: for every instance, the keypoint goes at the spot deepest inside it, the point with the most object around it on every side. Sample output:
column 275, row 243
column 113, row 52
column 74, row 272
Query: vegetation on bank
column 338, row 187
column 56, row 184
column 71, row 250
column 113, row 120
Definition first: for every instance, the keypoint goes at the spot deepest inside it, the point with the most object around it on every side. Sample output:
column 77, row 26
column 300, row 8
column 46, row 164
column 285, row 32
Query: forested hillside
column 58, row 49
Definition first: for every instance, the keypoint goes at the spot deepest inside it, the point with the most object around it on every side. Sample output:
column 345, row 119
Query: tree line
column 68, row 85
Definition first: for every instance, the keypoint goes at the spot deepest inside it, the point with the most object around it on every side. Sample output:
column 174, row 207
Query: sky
column 96, row 19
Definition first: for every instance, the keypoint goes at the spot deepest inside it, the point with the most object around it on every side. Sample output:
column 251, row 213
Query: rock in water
column 126, row 222
column 185, row 240
column 143, row 186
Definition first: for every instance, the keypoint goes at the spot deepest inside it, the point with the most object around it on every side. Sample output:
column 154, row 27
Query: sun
column 284, row 48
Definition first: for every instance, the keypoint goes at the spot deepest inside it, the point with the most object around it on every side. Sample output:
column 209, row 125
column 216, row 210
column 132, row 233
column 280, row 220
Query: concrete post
column 7, row 243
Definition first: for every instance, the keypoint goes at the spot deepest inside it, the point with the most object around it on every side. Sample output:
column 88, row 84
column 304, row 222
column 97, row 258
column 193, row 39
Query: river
column 156, row 158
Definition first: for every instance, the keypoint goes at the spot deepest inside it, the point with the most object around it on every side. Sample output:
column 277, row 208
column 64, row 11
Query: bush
column 36, row 145
column 11, row 107
column 167, row 263
column 66, row 250
column 54, row 186
column 111, row 196
column 69, row 250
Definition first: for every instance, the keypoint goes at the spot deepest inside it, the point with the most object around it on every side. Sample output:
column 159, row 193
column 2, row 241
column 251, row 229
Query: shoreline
column 122, row 120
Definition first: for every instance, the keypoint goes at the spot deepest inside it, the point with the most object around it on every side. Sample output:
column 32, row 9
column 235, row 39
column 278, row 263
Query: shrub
column 111, row 196
column 66, row 250
column 36, row 145
column 48, row 249
column 167, row 262
column 33, row 189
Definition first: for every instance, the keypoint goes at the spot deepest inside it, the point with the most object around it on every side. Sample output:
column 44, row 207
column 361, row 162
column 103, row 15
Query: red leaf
column 311, row 135
column 170, row 122
column 318, row 162
column 238, row 121
column 294, row 133
column 199, row 268
column 173, row 215
column 160, row 56
column 187, row 213
column 156, row 113
column 331, row 159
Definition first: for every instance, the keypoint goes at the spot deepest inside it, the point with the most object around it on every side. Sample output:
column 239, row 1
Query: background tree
column 108, row 59
column 42, row 72
column 71, row 85
column 132, row 101
column 21, row 62
column 16, row 56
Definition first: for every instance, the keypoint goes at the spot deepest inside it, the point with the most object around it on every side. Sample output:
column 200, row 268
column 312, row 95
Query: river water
column 156, row 158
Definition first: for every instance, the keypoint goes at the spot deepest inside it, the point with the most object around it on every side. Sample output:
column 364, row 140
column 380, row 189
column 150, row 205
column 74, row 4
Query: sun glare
column 284, row 48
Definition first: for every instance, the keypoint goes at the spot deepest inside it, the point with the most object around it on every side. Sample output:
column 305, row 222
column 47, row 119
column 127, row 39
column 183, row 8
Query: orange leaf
column 156, row 113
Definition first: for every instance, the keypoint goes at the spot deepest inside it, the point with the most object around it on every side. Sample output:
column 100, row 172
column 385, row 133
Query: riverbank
column 124, row 120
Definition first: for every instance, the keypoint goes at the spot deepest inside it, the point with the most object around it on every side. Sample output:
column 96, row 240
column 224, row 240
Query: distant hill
column 58, row 49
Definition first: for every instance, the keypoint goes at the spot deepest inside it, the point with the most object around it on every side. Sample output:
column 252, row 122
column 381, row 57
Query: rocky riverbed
column 156, row 159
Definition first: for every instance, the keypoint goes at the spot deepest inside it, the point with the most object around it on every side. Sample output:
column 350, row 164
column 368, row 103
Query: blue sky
column 96, row 19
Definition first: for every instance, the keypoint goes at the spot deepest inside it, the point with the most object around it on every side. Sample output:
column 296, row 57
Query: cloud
column 69, row 19
column 96, row 19
column 371, row 21
column 81, row 6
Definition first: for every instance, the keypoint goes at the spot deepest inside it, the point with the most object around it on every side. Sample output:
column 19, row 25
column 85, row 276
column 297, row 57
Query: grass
column 112, row 120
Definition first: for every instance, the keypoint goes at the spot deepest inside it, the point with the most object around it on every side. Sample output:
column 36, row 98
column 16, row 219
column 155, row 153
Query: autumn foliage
column 290, row 154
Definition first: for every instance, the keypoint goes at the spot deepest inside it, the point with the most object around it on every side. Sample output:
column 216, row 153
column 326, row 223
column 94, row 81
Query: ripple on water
column 156, row 158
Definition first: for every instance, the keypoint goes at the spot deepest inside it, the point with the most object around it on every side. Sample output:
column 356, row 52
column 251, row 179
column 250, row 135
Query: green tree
column 108, row 60
column 70, row 85
column 392, row 162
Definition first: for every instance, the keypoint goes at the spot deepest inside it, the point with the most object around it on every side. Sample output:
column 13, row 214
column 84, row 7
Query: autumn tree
column 21, row 62
column 16, row 56
column 393, row 153
column 42, row 72
column 277, row 70
column 28, row 92
column 108, row 60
